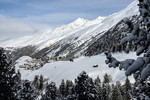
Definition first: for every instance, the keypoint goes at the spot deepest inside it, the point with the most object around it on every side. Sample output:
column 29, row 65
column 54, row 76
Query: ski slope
column 56, row 71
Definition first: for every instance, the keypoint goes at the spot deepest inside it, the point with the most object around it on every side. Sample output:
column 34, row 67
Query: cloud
column 57, row 12
column 12, row 28
column 56, row 19
column 33, row 16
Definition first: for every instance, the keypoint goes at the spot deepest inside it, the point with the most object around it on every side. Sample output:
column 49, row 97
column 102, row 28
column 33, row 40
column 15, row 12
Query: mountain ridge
column 74, row 38
column 58, row 33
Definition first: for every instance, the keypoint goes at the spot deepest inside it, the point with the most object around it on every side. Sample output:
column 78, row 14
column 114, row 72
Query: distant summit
column 77, row 35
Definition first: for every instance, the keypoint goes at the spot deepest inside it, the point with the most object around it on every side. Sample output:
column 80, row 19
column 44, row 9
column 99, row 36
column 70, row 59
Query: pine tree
column 119, row 86
column 116, row 94
column 107, row 78
column 70, row 91
column 127, row 85
column 41, row 81
column 69, row 87
column 85, row 88
column 27, row 92
column 35, row 81
column 97, row 83
column 50, row 92
column 7, row 78
column 62, row 88
column 52, row 89
column 140, row 36
column 106, row 89
column 17, row 88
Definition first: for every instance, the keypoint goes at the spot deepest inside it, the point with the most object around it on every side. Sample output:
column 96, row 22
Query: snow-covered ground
column 56, row 71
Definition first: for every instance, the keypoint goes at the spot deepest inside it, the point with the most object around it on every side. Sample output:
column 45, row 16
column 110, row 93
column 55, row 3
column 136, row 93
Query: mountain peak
column 80, row 27
column 101, row 18
column 80, row 21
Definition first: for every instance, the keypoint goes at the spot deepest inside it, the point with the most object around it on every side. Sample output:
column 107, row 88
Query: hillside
column 56, row 71
column 74, row 39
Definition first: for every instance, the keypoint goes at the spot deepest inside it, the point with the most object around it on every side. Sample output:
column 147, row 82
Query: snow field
column 56, row 71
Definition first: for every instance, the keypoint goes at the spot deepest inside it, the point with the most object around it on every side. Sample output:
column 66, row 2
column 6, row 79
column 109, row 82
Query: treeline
column 110, row 41
column 85, row 88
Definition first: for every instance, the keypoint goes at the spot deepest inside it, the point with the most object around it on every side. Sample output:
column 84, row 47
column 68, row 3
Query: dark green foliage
column 27, row 91
column 41, row 81
column 127, row 85
column 116, row 94
column 140, row 37
column 50, row 92
column 35, row 81
column 106, row 90
column 38, row 82
column 110, row 41
column 8, row 78
column 107, row 78
column 62, row 88
column 97, row 83
column 17, row 88
column 69, row 87
column 85, row 88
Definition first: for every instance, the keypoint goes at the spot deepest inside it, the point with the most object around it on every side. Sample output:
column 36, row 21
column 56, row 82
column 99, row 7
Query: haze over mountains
column 73, row 39
column 81, row 28
column 76, row 39
column 83, row 60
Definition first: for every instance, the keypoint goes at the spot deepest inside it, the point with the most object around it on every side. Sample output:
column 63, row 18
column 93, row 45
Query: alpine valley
column 65, row 51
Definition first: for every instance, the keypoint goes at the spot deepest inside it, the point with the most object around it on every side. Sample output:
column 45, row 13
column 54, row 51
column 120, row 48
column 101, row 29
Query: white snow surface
column 56, row 71
column 81, row 28
column 22, row 60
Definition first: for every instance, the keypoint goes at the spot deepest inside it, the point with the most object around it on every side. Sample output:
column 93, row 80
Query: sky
column 29, row 16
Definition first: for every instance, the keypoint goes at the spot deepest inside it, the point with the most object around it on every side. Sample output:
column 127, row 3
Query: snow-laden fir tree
column 140, row 36
column 85, row 88
column 50, row 92
column 127, row 88
column 62, row 88
column 116, row 94
column 107, row 78
column 69, row 87
column 106, row 89
column 18, row 86
column 41, row 81
column 8, row 81
column 35, row 82
column 27, row 91
column 70, row 91
column 97, row 83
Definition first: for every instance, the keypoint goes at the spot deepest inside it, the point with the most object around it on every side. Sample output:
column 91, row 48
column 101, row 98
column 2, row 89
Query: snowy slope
column 56, row 71
column 81, row 28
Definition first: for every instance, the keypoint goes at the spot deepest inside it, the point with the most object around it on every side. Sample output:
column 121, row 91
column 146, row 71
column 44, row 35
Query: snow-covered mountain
column 81, row 37
column 80, row 26
column 72, row 39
